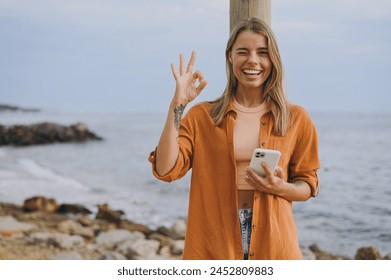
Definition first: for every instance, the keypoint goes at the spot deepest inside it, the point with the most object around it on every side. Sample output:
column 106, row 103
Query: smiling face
column 250, row 61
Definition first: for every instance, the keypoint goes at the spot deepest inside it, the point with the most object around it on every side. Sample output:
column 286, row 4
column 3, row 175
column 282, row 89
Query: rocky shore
column 43, row 229
column 44, row 133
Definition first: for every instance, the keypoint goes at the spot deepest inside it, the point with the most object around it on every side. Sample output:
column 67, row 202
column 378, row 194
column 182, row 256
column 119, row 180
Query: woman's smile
column 252, row 72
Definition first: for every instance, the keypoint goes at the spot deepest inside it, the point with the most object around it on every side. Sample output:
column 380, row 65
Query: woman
column 233, row 212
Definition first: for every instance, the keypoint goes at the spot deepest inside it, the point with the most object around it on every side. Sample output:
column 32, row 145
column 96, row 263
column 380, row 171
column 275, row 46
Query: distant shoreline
column 5, row 107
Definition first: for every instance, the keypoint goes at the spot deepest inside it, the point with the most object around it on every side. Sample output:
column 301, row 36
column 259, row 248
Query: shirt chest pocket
column 283, row 145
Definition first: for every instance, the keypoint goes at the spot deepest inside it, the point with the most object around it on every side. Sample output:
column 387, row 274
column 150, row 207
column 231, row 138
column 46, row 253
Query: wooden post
column 244, row 9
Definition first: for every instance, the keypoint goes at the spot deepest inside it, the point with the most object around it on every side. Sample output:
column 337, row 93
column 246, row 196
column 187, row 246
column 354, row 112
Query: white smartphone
column 270, row 157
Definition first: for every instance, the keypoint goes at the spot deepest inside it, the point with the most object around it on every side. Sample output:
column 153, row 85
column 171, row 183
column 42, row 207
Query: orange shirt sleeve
column 184, row 159
column 304, row 161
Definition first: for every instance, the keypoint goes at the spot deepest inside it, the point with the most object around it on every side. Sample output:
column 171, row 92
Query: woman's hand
column 186, row 81
column 271, row 183
column 275, row 184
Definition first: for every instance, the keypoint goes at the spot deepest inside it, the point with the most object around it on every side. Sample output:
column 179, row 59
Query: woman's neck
column 249, row 98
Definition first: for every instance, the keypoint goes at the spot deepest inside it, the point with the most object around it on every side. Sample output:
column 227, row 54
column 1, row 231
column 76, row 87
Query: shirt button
column 254, row 226
column 252, row 254
column 263, row 144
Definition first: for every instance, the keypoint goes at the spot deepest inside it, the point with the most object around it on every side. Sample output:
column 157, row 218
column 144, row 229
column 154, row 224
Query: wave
column 2, row 153
column 41, row 172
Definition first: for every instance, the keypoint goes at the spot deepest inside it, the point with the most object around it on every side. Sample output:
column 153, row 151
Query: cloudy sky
column 115, row 55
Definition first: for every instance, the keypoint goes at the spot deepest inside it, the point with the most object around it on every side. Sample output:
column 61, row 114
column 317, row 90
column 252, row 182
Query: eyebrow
column 245, row 49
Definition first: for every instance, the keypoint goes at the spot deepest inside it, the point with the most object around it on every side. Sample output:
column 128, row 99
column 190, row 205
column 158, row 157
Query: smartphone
column 270, row 157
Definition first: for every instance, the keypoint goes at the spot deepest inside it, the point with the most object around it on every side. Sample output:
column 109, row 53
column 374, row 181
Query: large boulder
column 368, row 253
column 40, row 203
column 45, row 133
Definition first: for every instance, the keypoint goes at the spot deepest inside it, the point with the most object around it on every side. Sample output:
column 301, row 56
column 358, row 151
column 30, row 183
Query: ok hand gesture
column 186, row 81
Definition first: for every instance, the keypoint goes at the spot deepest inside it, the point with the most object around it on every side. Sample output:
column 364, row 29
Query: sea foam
column 38, row 171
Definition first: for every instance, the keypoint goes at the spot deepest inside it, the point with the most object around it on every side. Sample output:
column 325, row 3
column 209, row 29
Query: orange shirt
column 213, row 229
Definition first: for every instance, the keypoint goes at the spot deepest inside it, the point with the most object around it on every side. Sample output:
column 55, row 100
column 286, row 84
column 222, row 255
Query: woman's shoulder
column 299, row 112
column 300, row 117
column 201, row 108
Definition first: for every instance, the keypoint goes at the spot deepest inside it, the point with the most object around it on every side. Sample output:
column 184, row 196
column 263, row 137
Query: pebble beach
column 40, row 229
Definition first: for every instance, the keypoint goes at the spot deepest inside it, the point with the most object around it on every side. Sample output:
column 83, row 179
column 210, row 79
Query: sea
column 352, row 210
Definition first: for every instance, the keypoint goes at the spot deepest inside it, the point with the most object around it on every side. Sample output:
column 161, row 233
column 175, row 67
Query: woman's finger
column 200, row 77
column 191, row 62
column 279, row 172
column 181, row 64
column 201, row 86
column 174, row 72
column 266, row 168
column 249, row 177
column 252, row 175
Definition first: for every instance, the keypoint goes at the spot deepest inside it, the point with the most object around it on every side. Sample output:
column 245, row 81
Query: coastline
column 40, row 229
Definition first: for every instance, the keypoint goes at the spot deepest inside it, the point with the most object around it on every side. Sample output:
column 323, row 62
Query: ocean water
column 352, row 210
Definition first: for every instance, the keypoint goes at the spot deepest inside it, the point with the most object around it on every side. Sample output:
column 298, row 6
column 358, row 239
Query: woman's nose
column 253, row 58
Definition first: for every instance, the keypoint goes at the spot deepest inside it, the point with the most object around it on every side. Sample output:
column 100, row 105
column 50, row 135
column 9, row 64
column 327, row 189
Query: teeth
column 252, row 72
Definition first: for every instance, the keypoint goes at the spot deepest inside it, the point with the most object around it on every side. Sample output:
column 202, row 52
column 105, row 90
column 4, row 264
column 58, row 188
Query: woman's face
column 250, row 60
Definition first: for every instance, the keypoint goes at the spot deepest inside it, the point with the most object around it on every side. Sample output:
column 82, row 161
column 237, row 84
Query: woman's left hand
column 271, row 183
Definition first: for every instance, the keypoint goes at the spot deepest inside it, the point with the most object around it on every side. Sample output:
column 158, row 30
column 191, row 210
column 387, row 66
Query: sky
column 115, row 55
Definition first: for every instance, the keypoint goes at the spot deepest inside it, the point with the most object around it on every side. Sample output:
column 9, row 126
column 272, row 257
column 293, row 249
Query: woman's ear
column 230, row 57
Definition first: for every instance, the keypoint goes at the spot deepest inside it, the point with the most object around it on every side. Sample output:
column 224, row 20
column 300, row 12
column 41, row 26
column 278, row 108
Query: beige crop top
column 246, row 138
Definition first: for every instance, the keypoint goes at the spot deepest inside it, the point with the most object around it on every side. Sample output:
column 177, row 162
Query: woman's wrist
column 297, row 191
column 178, row 102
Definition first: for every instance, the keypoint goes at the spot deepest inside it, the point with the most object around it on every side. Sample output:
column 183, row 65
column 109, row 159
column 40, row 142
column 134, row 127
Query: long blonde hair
column 273, row 86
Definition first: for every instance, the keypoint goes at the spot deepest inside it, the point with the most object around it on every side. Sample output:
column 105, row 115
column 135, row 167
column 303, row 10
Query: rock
column 60, row 240
column 113, row 238
column 163, row 240
column 66, row 256
column 40, row 203
column 125, row 224
column 387, row 257
column 74, row 228
column 85, row 221
column 163, row 230
column 368, row 253
column 307, row 253
column 322, row 255
column 67, row 241
column 178, row 230
column 112, row 256
column 165, row 251
column 73, row 209
column 139, row 249
column 8, row 209
column 108, row 214
column 177, row 247
column 45, row 133
column 9, row 226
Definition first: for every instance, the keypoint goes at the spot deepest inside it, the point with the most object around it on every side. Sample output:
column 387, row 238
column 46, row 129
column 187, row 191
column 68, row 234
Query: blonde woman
column 233, row 212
